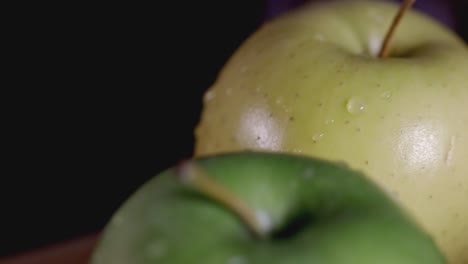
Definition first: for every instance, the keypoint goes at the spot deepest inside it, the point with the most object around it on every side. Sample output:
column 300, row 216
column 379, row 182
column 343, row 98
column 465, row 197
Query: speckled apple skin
column 310, row 82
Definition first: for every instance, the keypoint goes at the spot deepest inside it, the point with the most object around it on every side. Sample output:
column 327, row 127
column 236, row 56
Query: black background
column 103, row 98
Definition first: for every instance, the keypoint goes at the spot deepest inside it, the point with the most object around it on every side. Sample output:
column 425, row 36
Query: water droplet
column 449, row 155
column 156, row 250
column 286, row 109
column 329, row 121
column 386, row 95
column 308, row 173
column 279, row 100
column 210, row 95
column 296, row 150
column 356, row 105
column 317, row 137
column 237, row 260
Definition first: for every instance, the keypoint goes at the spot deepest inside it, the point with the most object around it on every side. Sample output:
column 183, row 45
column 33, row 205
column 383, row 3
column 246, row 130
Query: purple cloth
column 439, row 9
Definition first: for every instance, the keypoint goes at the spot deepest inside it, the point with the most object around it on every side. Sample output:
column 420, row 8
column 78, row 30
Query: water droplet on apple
column 386, row 95
column 356, row 105
column 237, row 260
column 279, row 100
column 296, row 150
column 329, row 121
column 317, row 137
column 210, row 95
column 156, row 250
column 449, row 154
column 308, row 173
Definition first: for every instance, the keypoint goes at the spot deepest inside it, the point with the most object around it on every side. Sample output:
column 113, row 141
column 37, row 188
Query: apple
column 257, row 208
column 311, row 82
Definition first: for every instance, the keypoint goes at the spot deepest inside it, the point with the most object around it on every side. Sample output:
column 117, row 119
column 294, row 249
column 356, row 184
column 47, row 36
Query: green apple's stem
column 194, row 176
column 385, row 49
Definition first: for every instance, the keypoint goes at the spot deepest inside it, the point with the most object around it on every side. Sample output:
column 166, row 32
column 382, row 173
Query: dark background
column 103, row 98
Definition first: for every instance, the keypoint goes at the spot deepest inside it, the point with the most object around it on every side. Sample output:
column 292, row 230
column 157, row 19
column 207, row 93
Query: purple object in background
column 277, row 7
column 439, row 9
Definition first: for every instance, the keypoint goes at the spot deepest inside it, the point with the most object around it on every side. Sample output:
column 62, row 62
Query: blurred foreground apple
column 258, row 208
column 311, row 82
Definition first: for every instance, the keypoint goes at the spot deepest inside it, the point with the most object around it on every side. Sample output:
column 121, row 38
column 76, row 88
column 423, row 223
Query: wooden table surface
column 75, row 251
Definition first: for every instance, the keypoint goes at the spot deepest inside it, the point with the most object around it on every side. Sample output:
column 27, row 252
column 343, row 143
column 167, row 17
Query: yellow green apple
column 310, row 82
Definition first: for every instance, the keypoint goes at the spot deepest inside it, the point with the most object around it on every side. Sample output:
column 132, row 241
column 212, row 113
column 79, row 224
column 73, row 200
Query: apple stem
column 193, row 175
column 385, row 49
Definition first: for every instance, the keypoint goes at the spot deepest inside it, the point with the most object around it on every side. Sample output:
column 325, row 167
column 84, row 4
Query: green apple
column 311, row 82
column 257, row 208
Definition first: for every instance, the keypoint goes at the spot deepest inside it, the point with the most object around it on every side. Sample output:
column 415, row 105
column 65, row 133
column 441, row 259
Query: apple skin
column 351, row 220
column 309, row 82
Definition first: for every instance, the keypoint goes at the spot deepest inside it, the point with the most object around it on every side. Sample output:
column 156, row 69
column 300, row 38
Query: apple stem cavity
column 385, row 49
column 196, row 177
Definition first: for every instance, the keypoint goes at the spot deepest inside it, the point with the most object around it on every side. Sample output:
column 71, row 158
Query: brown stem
column 385, row 49
column 194, row 176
